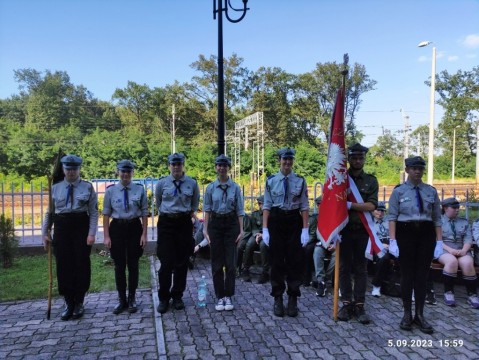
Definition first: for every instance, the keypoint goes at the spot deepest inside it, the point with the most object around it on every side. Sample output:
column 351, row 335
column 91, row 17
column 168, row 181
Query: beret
column 223, row 159
column 71, row 161
column 176, row 158
column 125, row 165
column 357, row 149
column 416, row 161
column 286, row 153
column 450, row 202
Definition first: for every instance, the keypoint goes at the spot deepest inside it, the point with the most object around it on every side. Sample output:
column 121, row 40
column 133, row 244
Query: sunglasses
column 126, row 171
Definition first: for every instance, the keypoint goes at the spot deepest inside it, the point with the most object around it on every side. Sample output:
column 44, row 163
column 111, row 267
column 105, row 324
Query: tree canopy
column 137, row 123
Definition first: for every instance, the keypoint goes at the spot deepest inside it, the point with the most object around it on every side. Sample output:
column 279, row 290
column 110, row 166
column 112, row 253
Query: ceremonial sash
column 374, row 244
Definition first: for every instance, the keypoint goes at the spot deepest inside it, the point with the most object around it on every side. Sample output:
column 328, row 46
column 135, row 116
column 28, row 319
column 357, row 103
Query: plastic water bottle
column 202, row 292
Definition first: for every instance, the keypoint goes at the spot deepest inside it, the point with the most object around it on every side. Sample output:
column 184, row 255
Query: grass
column 27, row 279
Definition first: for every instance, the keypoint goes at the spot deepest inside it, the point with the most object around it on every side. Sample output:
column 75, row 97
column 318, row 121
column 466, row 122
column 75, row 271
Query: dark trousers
column 223, row 233
column 174, row 246
column 308, row 261
column 126, row 251
column 286, row 253
column 240, row 250
column 72, row 255
column 381, row 270
column 353, row 263
column 416, row 243
column 250, row 248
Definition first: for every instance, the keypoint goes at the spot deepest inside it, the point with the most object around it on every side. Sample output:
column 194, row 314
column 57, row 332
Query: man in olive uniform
column 254, row 242
column 177, row 198
column 75, row 222
column 285, row 217
column 354, row 239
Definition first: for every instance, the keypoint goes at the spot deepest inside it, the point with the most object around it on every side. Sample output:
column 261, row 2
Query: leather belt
column 284, row 212
column 175, row 215
column 72, row 215
column 414, row 223
column 223, row 216
column 126, row 221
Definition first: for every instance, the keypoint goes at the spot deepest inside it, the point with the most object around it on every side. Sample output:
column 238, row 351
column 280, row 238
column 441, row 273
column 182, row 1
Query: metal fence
column 27, row 207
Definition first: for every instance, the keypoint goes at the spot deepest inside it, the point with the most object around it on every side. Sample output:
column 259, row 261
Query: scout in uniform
column 457, row 237
column 415, row 234
column 177, row 198
column 285, row 231
column 383, row 264
column 223, row 227
column 255, row 241
column 319, row 255
column 126, row 203
column 355, row 239
column 75, row 222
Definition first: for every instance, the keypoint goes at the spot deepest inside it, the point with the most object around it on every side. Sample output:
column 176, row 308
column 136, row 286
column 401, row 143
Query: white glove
column 393, row 248
column 438, row 250
column 266, row 236
column 348, row 204
column 304, row 236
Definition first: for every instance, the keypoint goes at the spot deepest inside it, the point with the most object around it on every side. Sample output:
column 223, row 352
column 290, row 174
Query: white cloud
column 471, row 56
column 423, row 58
column 471, row 41
column 452, row 58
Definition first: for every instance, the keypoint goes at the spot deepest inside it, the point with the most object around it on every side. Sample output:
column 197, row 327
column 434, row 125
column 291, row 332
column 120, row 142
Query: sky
column 103, row 44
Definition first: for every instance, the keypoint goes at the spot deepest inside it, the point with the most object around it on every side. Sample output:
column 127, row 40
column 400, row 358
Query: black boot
column 78, row 311
column 69, row 307
column 132, row 307
column 292, row 306
column 420, row 321
column 122, row 304
column 406, row 322
column 278, row 308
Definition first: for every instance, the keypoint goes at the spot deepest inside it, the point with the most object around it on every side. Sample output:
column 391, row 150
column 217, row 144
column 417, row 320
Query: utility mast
column 406, row 140
column 173, row 130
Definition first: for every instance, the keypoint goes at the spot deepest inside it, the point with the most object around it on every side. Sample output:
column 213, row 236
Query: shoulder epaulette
column 162, row 177
column 109, row 186
column 398, row 185
column 271, row 176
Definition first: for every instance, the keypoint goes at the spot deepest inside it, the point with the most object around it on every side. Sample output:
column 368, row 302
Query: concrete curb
column 160, row 336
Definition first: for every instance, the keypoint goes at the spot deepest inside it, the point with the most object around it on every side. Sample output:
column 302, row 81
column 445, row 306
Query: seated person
column 199, row 240
column 320, row 253
column 457, row 242
column 383, row 264
column 241, row 245
column 255, row 242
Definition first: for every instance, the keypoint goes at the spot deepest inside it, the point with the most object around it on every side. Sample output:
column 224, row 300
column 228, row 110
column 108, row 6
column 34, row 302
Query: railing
column 27, row 207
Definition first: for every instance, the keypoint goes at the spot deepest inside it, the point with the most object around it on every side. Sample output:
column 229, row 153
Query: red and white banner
column 374, row 246
column 333, row 211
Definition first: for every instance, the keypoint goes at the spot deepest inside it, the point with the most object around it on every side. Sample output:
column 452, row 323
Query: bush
column 8, row 241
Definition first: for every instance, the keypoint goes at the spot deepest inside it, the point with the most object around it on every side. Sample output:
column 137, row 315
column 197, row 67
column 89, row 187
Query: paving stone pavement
column 251, row 331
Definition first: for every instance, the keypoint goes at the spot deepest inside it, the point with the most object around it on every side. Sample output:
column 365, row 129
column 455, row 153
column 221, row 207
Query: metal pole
column 453, row 155
column 223, row 6
column 430, row 160
column 221, row 94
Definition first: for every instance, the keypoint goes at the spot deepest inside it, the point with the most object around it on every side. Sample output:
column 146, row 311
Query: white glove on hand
column 393, row 248
column 304, row 236
column 266, row 236
column 438, row 250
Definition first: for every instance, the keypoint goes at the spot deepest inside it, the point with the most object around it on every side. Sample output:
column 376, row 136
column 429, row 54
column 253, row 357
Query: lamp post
column 219, row 7
column 453, row 153
column 430, row 160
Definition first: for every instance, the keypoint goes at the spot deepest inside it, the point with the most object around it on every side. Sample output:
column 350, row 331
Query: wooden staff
column 49, row 246
column 56, row 176
column 344, row 73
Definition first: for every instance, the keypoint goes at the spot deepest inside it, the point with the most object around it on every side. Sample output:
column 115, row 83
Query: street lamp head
column 424, row 43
